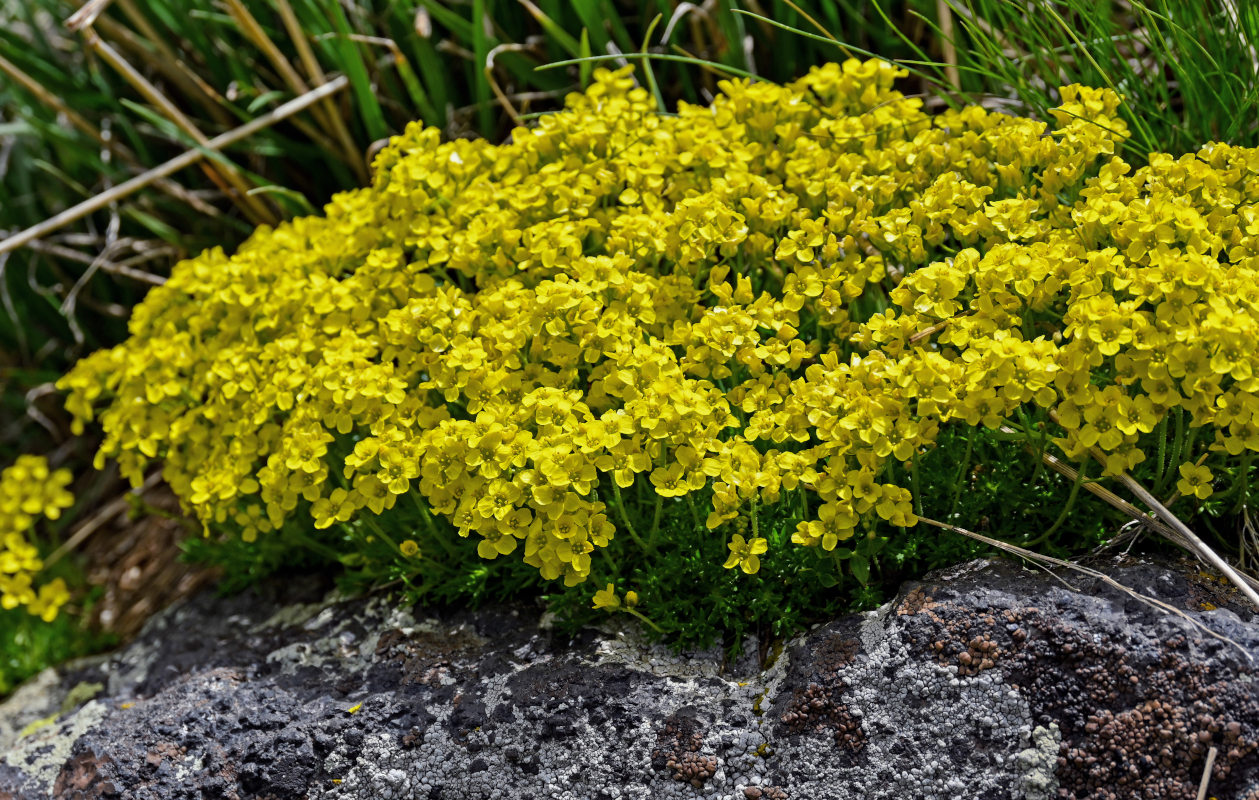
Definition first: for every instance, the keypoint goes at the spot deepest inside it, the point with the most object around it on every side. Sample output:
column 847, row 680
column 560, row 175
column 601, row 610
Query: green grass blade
column 481, row 54
column 350, row 60
column 562, row 37
column 699, row 62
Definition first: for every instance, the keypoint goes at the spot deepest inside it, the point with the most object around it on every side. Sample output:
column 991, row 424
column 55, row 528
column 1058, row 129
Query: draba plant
column 29, row 492
column 645, row 327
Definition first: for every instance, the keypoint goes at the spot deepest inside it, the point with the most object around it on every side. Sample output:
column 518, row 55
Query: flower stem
column 690, row 504
column 1080, row 478
column 961, row 472
column 433, row 534
column 643, row 617
column 655, row 522
column 629, row 526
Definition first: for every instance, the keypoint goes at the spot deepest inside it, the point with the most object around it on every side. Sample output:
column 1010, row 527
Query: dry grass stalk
column 229, row 179
column 1206, row 773
column 947, row 44
column 174, row 165
column 1043, row 560
column 117, row 506
column 1185, row 537
column 1174, row 531
column 110, row 143
column 304, row 52
column 1194, row 544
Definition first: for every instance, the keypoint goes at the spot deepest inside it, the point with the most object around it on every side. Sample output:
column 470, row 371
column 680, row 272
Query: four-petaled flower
column 606, row 598
column 1194, row 481
column 743, row 553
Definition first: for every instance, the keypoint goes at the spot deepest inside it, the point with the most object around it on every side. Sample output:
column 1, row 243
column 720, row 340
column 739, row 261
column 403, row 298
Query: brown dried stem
column 174, row 165
column 229, row 178
column 1109, row 581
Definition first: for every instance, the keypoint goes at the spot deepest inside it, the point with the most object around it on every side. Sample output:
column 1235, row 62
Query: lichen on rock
column 282, row 695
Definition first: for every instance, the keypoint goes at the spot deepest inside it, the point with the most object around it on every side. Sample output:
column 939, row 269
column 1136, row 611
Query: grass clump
column 1188, row 71
column 720, row 359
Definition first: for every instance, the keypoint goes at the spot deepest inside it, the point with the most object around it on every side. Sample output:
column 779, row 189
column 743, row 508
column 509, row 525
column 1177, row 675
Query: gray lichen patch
column 41, row 754
column 1038, row 763
column 991, row 682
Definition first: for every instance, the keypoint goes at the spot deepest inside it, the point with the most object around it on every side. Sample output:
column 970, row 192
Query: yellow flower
column 606, row 598
column 1195, row 481
column 625, row 302
column 52, row 596
column 495, row 543
column 743, row 553
column 409, row 548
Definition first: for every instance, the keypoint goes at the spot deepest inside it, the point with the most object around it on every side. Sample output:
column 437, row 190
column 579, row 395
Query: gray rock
column 984, row 681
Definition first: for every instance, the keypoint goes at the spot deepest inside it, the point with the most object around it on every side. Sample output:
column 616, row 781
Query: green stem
column 443, row 568
column 433, row 533
column 690, row 504
column 1192, row 439
column 320, row 548
column 629, row 526
column 1080, row 478
column 1177, row 443
column 839, row 566
column 655, row 522
column 603, row 551
column 957, row 482
column 913, row 482
column 1038, row 448
column 379, row 531
column 1244, row 492
column 1162, row 453
column 642, row 617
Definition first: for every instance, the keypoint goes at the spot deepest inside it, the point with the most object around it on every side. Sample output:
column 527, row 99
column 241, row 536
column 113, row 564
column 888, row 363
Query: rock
column 984, row 681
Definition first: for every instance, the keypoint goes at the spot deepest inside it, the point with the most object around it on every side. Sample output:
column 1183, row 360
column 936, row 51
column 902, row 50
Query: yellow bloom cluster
column 786, row 290
column 29, row 490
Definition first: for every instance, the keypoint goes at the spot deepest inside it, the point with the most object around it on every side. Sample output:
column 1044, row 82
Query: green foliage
column 1188, row 69
column 28, row 644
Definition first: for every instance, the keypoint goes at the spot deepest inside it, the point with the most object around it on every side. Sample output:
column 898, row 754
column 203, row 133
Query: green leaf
column 700, row 62
column 586, row 68
column 562, row 37
column 860, row 568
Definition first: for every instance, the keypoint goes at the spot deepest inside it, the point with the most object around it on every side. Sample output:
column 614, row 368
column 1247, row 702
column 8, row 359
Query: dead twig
column 1180, row 532
column 226, row 174
column 93, row 523
column 77, row 120
column 498, row 90
column 125, row 267
column 1206, row 774
column 948, row 44
column 174, row 165
column 1195, row 544
column 1109, row 497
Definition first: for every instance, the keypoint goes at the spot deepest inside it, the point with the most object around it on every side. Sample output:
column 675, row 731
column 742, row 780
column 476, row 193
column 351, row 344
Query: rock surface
column 983, row 681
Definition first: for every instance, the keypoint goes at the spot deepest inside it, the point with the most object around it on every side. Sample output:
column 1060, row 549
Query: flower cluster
column 29, row 491
column 784, row 293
